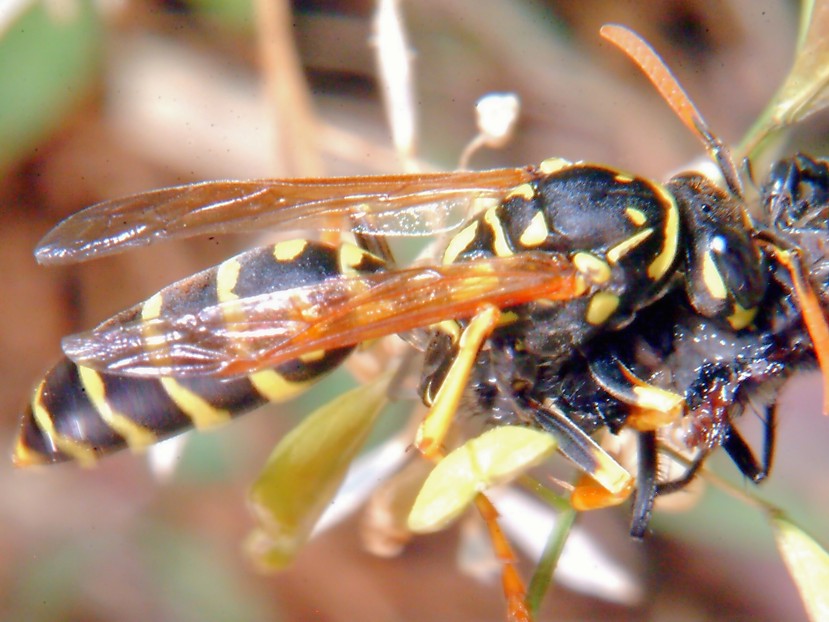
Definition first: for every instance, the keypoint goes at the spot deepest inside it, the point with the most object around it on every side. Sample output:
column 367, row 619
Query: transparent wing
column 385, row 204
column 248, row 334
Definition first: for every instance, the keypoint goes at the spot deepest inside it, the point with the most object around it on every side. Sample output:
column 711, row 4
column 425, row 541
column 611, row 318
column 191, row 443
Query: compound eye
column 726, row 275
column 725, row 271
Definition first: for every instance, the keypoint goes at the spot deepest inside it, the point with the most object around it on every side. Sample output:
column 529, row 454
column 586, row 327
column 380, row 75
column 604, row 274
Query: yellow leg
column 432, row 431
column 651, row 407
column 430, row 434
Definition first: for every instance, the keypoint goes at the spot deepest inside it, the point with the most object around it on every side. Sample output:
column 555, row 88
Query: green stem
column 543, row 575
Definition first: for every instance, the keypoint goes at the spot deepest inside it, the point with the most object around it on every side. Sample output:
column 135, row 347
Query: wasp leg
column 646, row 485
column 666, row 488
column 651, row 406
column 511, row 581
column 769, row 438
column 433, row 429
column 606, row 482
column 739, row 452
column 430, row 434
column 812, row 312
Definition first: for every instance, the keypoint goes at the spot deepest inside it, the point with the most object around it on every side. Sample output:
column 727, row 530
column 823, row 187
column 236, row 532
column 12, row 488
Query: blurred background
column 100, row 99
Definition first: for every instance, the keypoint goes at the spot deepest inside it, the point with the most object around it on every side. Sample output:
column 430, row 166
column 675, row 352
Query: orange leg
column 433, row 430
column 813, row 316
column 514, row 590
column 588, row 494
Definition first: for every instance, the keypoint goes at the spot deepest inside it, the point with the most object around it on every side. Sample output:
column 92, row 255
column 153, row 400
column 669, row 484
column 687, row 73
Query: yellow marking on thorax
column 624, row 247
column 741, row 317
column 507, row 318
column 274, row 387
column 499, row 238
column 553, row 165
column 660, row 266
column 536, row 232
column 602, row 305
column 201, row 412
column 80, row 451
column 289, row 250
column 712, row 278
column 479, row 205
column 623, row 178
column 546, row 303
column 136, row 435
column 580, row 286
column 636, row 216
column 525, row 191
column 460, row 242
column 591, row 266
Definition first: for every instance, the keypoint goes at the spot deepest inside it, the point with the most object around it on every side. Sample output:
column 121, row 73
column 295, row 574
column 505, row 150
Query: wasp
column 573, row 297
column 720, row 371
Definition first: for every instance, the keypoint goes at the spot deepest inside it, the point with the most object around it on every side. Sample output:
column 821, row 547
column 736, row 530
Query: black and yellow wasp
column 573, row 297
column 720, row 370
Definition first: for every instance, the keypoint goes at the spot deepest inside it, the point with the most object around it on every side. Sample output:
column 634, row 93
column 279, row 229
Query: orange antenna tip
column 646, row 58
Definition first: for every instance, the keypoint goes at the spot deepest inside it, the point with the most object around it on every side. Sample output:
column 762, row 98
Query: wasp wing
column 247, row 334
column 385, row 204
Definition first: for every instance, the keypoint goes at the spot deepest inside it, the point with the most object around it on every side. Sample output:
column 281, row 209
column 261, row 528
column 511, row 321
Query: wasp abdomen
column 80, row 413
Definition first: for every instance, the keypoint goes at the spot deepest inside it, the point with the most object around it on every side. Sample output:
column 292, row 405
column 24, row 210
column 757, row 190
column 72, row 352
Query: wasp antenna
column 641, row 53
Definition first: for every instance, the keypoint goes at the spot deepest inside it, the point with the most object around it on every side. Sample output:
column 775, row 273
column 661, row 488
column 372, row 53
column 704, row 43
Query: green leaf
column 808, row 564
column 237, row 14
column 50, row 55
column 496, row 457
column 805, row 90
column 305, row 470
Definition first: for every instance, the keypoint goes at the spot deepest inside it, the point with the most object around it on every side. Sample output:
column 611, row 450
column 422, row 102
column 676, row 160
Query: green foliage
column 805, row 90
column 305, row 471
column 808, row 564
column 50, row 55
